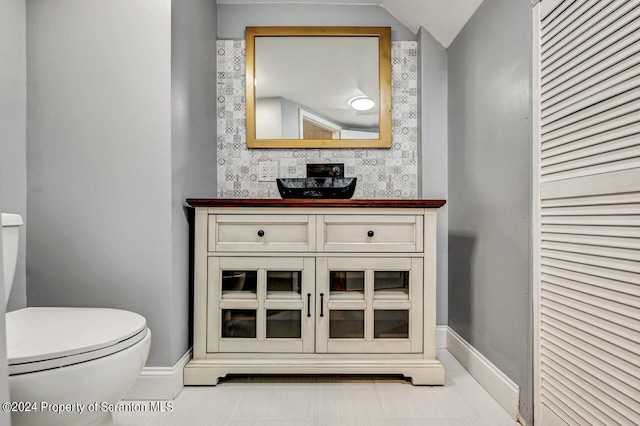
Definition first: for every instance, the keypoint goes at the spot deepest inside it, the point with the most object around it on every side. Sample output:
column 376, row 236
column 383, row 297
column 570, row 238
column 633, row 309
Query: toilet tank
column 10, row 233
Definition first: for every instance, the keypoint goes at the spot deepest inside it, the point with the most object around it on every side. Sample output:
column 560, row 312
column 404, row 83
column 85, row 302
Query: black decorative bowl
column 317, row 187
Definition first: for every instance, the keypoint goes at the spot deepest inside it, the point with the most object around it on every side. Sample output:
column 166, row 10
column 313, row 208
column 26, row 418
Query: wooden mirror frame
column 384, row 76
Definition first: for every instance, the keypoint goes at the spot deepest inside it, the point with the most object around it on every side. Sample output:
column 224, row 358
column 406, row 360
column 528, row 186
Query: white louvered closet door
column 588, row 226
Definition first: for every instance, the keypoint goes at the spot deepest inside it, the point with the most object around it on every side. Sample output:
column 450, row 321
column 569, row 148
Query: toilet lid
column 44, row 338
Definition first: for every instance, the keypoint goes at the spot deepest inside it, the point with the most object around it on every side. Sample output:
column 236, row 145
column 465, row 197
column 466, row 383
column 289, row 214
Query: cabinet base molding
column 210, row 371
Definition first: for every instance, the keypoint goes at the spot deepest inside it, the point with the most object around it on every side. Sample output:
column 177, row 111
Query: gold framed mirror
column 318, row 87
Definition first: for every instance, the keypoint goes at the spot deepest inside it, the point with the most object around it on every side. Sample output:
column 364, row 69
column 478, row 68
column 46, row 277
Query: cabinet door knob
column 308, row 305
column 370, row 234
column 321, row 304
column 261, row 233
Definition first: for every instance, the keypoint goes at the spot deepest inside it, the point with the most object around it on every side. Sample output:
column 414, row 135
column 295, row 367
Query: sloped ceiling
column 442, row 18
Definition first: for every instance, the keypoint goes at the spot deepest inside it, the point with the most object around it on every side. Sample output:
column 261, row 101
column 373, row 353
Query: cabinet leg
column 197, row 375
column 426, row 376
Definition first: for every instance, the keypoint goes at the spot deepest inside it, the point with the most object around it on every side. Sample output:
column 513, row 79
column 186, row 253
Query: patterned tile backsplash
column 382, row 173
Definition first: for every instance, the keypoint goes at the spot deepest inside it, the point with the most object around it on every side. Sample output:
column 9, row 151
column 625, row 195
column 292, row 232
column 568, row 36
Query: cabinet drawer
column 348, row 233
column 261, row 233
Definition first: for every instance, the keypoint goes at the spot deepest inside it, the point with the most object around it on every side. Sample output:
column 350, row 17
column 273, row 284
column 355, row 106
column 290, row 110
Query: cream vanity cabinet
column 314, row 287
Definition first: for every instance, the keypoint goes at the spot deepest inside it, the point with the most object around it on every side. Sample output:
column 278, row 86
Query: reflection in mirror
column 308, row 94
column 315, row 87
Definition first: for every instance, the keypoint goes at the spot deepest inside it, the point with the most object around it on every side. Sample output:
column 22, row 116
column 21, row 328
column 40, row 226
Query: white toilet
column 86, row 357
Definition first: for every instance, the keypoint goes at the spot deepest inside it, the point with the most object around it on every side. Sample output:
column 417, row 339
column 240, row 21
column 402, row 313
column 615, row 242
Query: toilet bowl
column 69, row 366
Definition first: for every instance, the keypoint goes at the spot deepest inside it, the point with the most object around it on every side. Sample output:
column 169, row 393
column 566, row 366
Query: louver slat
column 609, row 29
column 589, row 218
column 590, row 18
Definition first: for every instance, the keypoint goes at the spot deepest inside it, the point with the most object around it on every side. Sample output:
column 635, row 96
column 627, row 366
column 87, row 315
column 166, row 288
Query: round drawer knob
column 370, row 234
column 261, row 233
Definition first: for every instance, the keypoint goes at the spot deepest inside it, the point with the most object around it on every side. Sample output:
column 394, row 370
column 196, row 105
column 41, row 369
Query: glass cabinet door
column 261, row 304
column 370, row 305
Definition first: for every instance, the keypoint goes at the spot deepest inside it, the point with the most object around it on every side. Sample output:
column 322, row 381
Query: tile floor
column 331, row 401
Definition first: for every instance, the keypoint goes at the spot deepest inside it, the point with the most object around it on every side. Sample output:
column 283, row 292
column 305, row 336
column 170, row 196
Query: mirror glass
column 318, row 87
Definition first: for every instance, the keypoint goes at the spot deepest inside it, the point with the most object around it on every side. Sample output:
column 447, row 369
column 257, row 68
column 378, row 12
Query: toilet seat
column 44, row 338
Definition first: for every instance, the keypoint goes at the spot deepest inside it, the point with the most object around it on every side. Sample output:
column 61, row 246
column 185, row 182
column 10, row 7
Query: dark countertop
column 316, row 203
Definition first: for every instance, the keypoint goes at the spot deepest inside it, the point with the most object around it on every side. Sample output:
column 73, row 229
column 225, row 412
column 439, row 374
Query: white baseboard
column 164, row 383
column 441, row 336
column 497, row 384
column 159, row 383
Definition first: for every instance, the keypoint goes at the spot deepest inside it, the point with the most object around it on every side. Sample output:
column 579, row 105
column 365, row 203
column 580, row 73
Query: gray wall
column 433, row 149
column 233, row 18
column 121, row 129
column 193, row 144
column 13, row 109
column 490, row 188
column 99, row 159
